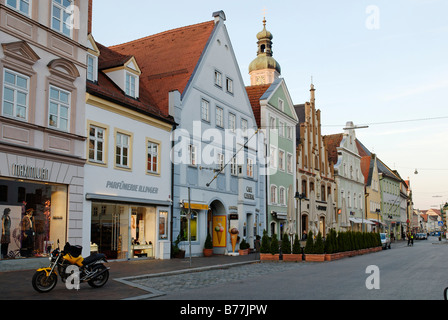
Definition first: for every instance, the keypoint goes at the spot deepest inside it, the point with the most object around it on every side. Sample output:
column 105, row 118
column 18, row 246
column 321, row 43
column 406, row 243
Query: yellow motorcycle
column 71, row 267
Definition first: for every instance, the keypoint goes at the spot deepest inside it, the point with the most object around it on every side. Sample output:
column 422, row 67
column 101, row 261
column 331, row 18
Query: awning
column 195, row 206
column 357, row 220
column 375, row 221
column 280, row 215
column 119, row 199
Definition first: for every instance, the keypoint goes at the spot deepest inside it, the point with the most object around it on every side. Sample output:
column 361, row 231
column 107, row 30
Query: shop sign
column 131, row 187
column 29, row 172
column 249, row 194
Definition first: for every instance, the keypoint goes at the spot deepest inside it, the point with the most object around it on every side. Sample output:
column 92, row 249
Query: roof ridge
column 160, row 34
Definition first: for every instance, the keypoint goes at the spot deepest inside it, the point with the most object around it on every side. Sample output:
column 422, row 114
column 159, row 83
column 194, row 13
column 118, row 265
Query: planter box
column 334, row 256
column 269, row 257
column 243, row 252
column 292, row 257
column 315, row 257
column 207, row 252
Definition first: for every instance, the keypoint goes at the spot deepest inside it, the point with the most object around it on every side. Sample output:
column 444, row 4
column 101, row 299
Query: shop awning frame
column 130, row 200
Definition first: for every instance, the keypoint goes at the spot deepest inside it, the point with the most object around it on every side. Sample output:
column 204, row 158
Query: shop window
column 193, row 227
column 34, row 218
column 163, row 225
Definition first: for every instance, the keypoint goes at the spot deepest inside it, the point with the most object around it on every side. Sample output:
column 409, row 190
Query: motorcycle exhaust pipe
column 95, row 275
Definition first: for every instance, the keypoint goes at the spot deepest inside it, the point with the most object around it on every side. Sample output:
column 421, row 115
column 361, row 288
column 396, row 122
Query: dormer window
column 131, row 81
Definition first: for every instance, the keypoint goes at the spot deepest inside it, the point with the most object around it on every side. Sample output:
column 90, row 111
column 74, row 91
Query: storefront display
column 123, row 231
column 34, row 217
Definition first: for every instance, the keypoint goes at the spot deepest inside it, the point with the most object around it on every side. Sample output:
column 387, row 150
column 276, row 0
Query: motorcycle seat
column 92, row 258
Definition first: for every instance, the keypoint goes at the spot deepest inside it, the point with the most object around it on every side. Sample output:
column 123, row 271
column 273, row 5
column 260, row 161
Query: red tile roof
column 107, row 89
column 168, row 59
column 365, row 168
column 332, row 142
column 255, row 93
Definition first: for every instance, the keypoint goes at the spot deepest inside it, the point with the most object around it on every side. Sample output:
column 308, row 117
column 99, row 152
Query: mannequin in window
column 28, row 233
column 5, row 239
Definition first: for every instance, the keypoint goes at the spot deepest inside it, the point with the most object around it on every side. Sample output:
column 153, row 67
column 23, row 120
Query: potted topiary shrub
column 208, row 246
column 244, row 248
column 317, row 252
column 274, row 248
column 265, row 247
column 294, row 255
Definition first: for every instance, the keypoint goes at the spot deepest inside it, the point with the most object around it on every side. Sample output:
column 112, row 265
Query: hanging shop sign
column 29, row 172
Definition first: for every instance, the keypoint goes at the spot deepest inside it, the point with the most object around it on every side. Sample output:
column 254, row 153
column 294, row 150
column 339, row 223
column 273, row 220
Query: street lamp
column 378, row 213
column 299, row 196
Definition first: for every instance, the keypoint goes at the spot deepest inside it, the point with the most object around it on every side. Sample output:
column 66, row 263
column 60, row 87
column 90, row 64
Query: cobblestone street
column 200, row 279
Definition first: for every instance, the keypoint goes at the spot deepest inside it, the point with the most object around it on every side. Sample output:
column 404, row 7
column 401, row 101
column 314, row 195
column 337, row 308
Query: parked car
column 385, row 240
column 421, row 236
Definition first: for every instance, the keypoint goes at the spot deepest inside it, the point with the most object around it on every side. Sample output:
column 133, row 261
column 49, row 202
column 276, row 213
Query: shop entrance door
column 109, row 229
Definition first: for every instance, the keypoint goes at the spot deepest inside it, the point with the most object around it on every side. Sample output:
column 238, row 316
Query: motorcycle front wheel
column 101, row 280
column 42, row 283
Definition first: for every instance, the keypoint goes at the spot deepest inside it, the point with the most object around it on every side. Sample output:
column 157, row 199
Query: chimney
column 89, row 21
column 219, row 15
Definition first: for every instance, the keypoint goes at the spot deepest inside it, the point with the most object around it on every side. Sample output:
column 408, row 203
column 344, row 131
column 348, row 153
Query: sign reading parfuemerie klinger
column 131, row 187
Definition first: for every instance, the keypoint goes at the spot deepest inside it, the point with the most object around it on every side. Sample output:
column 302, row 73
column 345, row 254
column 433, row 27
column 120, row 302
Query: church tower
column 264, row 69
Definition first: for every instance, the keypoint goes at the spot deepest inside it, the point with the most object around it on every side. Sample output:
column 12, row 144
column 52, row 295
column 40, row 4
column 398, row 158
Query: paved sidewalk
column 16, row 285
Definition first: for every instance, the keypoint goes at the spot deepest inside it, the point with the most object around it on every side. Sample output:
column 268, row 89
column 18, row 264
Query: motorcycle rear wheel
column 101, row 280
column 44, row 284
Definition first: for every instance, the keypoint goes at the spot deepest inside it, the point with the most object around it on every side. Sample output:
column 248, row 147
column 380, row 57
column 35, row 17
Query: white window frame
column 282, row 195
column 244, row 126
column 16, row 91
column 131, row 83
column 281, row 104
column 273, row 157
column 96, row 140
column 124, row 148
column 63, row 19
column 92, row 63
column 232, row 122
column 281, row 128
column 229, row 85
column 152, row 150
column 220, row 161
column 192, row 155
column 281, row 159
column 250, row 168
column 218, row 78
column 219, row 117
column 60, row 104
column 234, row 166
column 205, row 110
column 289, row 163
column 273, row 197
column 18, row 6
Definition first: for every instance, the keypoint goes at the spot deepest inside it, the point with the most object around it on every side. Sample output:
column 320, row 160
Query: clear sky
column 377, row 62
